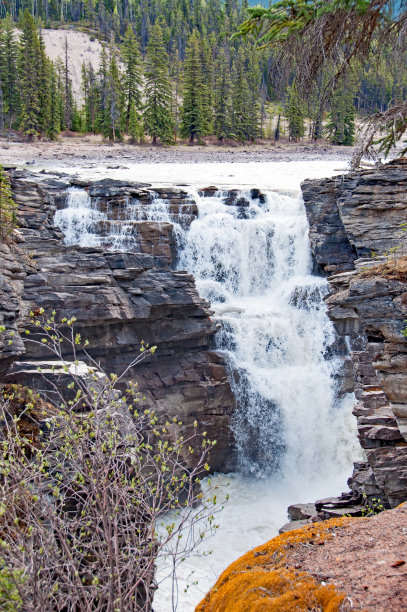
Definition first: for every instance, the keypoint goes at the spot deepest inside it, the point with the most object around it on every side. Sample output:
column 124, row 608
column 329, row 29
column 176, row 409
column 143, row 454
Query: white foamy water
column 295, row 438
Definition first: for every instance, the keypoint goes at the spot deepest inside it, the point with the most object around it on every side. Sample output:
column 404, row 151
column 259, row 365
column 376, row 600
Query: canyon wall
column 358, row 240
column 119, row 300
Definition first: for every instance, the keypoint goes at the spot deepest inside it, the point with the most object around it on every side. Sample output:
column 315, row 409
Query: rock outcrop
column 119, row 300
column 357, row 235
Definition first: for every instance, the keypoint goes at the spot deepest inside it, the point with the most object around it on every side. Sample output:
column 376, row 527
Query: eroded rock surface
column 352, row 218
column 119, row 300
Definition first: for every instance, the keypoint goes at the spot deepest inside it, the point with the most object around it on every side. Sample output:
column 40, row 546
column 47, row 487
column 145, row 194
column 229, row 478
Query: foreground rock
column 336, row 565
column 120, row 299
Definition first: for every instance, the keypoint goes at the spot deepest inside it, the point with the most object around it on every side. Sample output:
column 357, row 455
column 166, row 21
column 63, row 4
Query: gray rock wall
column 352, row 218
column 119, row 299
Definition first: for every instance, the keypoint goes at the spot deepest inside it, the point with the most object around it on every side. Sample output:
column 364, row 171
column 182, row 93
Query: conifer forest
column 174, row 71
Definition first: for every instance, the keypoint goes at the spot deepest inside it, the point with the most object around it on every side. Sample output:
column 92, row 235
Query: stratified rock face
column 351, row 218
column 119, row 300
column 356, row 215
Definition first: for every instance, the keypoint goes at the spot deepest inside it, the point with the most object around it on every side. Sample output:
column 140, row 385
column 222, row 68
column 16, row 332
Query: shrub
column 8, row 218
column 81, row 503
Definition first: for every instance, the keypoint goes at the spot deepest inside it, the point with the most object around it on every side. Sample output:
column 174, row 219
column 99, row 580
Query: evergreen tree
column 341, row 120
column 295, row 114
column 135, row 128
column 30, row 70
column 54, row 124
column 91, row 98
column 194, row 115
column 8, row 218
column 8, row 73
column 132, row 74
column 157, row 92
column 102, row 121
column 114, row 97
column 208, row 82
column 240, row 100
column 349, row 131
column 44, row 87
column 253, row 78
column 222, row 119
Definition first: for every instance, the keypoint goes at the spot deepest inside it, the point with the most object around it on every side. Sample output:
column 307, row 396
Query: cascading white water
column 254, row 265
column 85, row 225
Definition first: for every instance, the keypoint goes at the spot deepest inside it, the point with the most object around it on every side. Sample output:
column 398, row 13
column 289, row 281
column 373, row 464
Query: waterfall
column 295, row 437
column 251, row 259
column 254, row 265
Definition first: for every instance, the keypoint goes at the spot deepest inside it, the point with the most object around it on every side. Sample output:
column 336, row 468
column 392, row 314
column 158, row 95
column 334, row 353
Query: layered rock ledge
column 119, row 300
column 358, row 241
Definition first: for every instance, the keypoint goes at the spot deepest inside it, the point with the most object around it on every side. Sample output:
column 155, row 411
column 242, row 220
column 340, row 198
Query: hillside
column 81, row 47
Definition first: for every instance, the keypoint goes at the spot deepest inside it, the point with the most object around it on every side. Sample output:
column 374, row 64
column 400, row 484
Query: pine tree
column 102, row 120
column 135, row 128
column 341, row 119
column 157, row 92
column 253, row 78
column 222, row 104
column 208, row 77
column 68, row 89
column 9, row 80
column 54, row 125
column 349, row 131
column 30, row 70
column 194, row 119
column 240, row 100
column 91, row 98
column 44, row 87
column 114, row 97
column 295, row 115
column 8, row 218
column 132, row 73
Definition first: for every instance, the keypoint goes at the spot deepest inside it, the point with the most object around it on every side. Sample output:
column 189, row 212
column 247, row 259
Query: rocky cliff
column 119, row 300
column 357, row 239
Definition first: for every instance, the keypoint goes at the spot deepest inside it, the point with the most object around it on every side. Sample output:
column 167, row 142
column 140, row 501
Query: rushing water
column 295, row 438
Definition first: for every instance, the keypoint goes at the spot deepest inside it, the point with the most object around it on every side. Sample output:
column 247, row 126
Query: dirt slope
column 80, row 48
column 332, row 566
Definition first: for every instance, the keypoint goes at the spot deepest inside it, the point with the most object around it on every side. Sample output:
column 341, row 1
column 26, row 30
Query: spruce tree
column 30, row 71
column 54, row 124
column 295, row 115
column 8, row 218
column 194, row 113
column 208, row 81
column 91, row 97
column 222, row 103
column 102, row 120
column 349, row 131
column 9, row 76
column 157, row 92
column 253, row 79
column 240, row 100
column 341, row 119
column 132, row 73
column 135, row 128
column 114, row 97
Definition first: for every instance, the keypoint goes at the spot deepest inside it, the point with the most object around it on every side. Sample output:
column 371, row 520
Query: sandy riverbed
column 92, row 150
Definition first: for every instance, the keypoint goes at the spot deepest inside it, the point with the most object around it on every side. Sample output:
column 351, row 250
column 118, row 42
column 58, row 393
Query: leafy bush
column 81, row 503
column 8, row 219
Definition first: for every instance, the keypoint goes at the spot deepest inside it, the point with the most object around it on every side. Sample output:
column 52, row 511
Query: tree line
column 128, row 94
column 171, row 70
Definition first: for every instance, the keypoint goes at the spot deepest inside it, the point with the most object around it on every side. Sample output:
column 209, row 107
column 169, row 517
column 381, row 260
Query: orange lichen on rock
column 261, row 580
